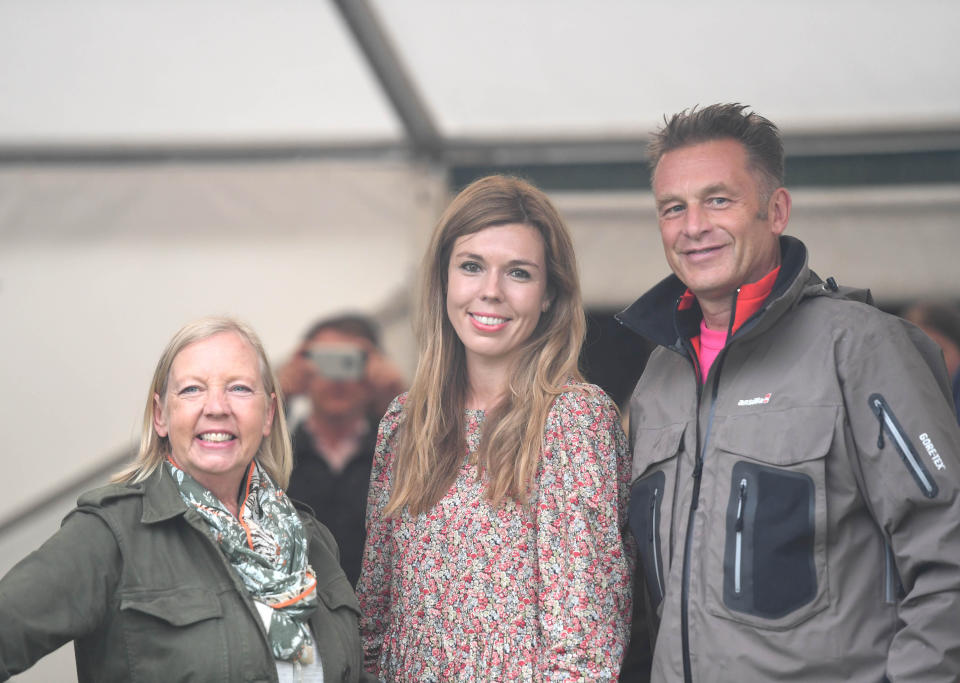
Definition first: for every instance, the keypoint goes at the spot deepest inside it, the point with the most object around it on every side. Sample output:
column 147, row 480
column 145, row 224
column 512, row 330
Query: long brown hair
column 275, row 454
column 431, row 442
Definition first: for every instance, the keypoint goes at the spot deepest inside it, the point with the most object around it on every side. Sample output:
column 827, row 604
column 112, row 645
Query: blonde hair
column 432, row 443
column 274, row 454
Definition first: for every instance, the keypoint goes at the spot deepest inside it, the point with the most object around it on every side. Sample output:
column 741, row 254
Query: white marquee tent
column 283, row 160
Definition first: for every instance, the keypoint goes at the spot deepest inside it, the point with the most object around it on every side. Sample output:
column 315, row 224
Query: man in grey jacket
column 796, row 491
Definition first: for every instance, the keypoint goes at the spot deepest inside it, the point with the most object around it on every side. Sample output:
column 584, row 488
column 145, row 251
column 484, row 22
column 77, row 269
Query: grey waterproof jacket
column 133, row 577
column 798, row 514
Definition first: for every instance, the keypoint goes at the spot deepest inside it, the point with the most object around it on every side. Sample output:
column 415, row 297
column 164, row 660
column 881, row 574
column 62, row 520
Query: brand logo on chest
column 759, row 400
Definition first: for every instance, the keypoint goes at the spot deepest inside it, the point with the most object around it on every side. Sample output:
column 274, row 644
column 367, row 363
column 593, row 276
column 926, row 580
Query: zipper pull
column 738, row 556
column 733, row 315
column 880, row 418
column 740, row 505
column 653, row 511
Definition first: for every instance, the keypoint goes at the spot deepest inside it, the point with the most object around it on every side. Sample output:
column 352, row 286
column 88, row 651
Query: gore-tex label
column 932, row 451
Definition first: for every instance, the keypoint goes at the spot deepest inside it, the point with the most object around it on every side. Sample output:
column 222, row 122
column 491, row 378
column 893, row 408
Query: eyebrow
column 716, row 187
column 514, row 262
column 197, row 379
column 663, row 201
column 708, row 190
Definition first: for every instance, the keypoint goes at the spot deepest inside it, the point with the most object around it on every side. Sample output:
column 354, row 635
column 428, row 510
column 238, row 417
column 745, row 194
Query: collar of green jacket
column 161, row 501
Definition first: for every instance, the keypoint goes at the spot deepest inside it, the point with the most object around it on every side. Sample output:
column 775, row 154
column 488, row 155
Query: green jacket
column 135, row 581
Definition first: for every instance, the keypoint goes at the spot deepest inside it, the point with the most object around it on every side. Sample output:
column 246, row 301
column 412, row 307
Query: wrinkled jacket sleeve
column 58, row 593
column 374, row 585
column 889, row 389
column 585, row 588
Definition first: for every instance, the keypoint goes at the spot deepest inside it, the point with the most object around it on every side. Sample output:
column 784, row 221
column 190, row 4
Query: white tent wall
column 99, row 266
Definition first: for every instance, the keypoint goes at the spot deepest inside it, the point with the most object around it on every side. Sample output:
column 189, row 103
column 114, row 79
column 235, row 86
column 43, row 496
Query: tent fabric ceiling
column 252, row 71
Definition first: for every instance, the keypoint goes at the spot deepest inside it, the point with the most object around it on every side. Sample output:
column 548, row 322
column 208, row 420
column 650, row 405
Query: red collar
column 749, row 300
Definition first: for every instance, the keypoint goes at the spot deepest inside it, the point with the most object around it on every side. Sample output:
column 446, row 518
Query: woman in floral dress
column 494, row 524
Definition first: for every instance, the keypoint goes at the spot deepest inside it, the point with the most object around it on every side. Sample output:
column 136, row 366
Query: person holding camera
column 347, row 381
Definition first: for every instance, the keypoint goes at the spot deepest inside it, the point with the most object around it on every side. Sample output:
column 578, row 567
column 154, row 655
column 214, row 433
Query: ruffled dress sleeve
column 584, row 585
column 375, row 583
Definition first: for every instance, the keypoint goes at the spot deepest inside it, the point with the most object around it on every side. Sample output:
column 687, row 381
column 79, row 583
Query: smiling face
column 496, row 291
column 215, row 412
column 718, row 232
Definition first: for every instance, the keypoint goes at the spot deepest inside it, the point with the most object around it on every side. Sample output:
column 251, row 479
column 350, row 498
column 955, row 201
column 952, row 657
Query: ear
column 548, row 297
column 779, row 210
column 268, row 420
column 159, row 421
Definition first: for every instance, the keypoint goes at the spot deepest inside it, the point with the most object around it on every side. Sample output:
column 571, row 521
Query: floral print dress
column 469, row 592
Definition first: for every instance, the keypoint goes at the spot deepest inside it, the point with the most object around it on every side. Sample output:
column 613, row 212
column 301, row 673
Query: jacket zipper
column 654, row 522
column 685, row 577
column 737, row 571
column 695, row 497
column 887, row 420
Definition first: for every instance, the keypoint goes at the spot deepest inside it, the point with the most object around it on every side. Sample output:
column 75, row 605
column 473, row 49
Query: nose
column 695, row 221
column 490, row 288
column 216, row 403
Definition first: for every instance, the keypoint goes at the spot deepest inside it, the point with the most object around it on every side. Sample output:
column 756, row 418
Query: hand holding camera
column 339, row 363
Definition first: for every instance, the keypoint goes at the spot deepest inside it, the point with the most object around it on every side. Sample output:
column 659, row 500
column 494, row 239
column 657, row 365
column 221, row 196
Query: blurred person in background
column 347, row 382
column 495, row 523
column 193, row 565
column 941, row 322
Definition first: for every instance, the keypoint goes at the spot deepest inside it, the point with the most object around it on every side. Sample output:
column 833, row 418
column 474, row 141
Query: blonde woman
column 494, row 547
column 194, row 565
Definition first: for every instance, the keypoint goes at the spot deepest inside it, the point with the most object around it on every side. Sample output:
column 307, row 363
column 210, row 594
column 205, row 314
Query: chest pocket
column 768, row 564
column 170, row 625
column 180, row 608
column 655, row 453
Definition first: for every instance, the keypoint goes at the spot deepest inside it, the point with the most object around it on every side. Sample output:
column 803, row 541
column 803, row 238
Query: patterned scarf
column 267, row 547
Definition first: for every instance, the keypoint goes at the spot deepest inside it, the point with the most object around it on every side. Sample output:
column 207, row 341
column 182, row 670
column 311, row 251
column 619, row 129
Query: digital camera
column 338, row 362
